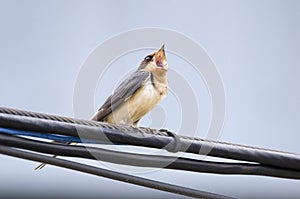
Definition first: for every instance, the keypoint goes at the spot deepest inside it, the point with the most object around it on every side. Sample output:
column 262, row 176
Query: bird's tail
column 42, row 165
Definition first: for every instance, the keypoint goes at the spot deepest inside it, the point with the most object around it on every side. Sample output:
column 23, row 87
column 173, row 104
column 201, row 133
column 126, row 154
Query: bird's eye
column 148, row 58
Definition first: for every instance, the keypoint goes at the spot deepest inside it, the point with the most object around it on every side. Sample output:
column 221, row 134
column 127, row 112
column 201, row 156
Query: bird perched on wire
column 138, row 93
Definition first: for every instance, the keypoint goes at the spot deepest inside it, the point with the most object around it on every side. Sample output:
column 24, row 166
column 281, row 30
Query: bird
column 137, row 95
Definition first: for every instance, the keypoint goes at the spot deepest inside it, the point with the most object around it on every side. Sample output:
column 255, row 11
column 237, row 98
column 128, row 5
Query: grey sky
column 254, row 44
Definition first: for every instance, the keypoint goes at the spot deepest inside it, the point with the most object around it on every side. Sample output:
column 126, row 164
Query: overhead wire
column 155, row 139
column 146, row 160
column 15, row 124
column 110, row 174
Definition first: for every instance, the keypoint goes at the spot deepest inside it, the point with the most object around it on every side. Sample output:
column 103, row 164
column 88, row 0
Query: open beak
column 160, row 57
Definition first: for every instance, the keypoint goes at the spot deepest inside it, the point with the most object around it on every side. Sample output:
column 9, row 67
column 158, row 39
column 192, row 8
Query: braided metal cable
column 80, row 121
column 127, row 129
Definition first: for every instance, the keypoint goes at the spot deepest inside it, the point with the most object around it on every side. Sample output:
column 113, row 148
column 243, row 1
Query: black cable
column 109, row 174
column 134, row 136
column 144, row 160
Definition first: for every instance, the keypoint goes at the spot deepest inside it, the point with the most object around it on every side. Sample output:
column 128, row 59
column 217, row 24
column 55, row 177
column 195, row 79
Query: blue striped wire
column 59, row 138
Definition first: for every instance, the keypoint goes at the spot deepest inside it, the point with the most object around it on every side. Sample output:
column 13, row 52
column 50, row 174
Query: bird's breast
column 139, row 104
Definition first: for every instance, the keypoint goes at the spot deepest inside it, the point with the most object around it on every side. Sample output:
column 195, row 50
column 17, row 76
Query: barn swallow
column 137, row 94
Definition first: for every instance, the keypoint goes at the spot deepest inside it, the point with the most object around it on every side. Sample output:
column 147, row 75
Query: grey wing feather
column 123, row 92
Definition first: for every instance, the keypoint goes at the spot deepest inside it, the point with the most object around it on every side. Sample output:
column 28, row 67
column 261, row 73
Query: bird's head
column 155, row 61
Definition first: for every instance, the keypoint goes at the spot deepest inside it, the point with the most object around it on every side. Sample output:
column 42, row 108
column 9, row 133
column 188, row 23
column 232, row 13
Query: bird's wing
column 122, row 93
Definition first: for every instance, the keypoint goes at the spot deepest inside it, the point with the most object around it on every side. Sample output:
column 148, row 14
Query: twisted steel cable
column 140, row 136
